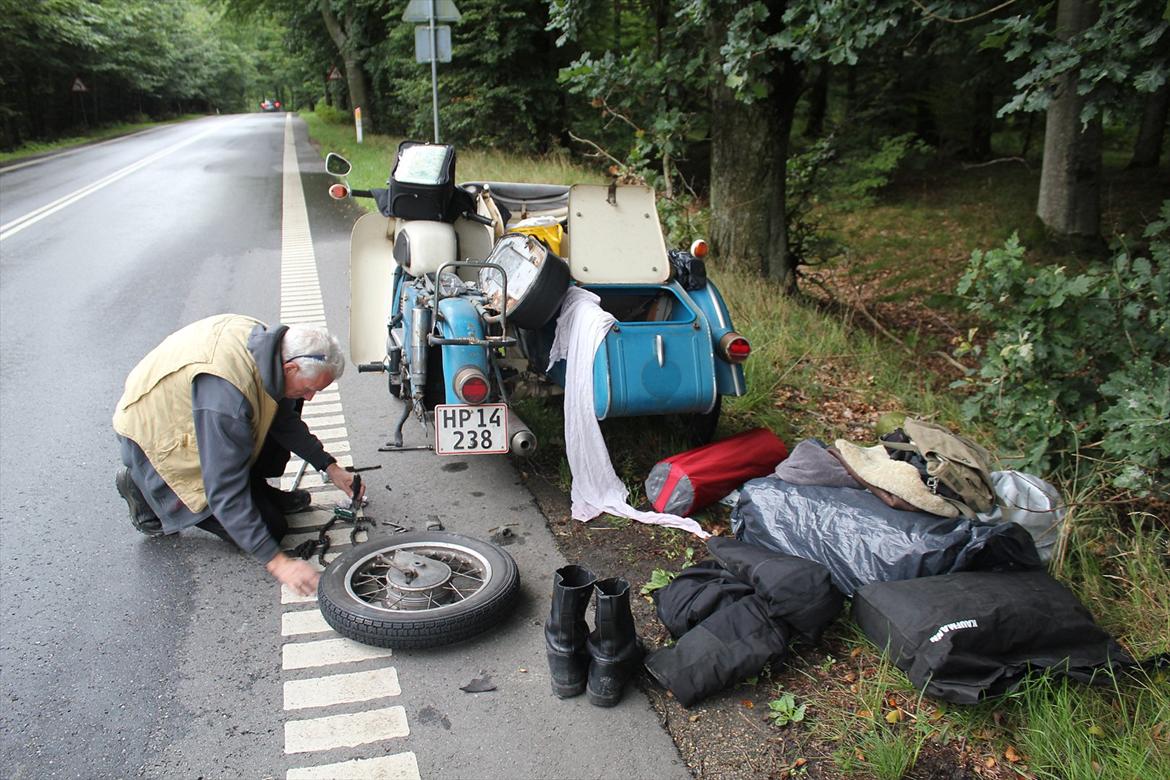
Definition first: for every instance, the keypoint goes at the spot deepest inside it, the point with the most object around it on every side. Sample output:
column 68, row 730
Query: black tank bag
column 422, row 183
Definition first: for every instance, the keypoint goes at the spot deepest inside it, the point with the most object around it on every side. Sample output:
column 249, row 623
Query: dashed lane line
column 327, row 422
column 337, row 538
column 351, row 730
column 326, row 652
column 402, row 766
column 325, row 434
column 306, row 621
column 301, row 303
column 341, row 689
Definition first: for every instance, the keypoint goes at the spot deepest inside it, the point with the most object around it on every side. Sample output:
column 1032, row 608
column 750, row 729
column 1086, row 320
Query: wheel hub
column 410, row 572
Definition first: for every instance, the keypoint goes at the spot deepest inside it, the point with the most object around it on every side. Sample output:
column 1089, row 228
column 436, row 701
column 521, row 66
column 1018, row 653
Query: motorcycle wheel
column 701, row 427
column 418, row 589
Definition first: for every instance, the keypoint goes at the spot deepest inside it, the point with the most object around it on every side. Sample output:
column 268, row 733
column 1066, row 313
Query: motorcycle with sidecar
column 454, row 291
column 454, row 296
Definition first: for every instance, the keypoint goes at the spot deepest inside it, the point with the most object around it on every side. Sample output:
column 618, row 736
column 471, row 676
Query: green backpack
column 952, row 461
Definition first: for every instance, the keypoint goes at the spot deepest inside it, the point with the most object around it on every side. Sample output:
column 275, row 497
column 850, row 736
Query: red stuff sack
column 693, row 479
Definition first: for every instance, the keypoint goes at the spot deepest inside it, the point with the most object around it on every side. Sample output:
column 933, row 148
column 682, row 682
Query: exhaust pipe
column 523, row 440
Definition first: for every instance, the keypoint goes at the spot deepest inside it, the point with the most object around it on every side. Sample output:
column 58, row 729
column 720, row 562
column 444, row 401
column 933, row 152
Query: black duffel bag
column 967, row 636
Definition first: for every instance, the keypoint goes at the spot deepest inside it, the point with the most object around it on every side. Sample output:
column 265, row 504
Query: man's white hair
column 314, row 349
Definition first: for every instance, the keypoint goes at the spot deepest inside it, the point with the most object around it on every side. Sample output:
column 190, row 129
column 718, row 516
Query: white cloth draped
column 581, row 327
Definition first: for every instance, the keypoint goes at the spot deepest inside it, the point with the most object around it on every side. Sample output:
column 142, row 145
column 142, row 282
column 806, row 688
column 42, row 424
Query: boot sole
column 142, row 517
column 597, row 700
column 567, row 691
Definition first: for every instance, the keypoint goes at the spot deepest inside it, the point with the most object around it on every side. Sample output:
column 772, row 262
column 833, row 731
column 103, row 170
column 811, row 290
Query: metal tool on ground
column 300, row 475
column 351, row 514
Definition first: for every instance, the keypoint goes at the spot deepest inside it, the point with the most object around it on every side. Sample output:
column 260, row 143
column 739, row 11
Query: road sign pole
column 434, row 72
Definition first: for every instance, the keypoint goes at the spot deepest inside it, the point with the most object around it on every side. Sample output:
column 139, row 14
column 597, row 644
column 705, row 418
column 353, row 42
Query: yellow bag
column 551, row 234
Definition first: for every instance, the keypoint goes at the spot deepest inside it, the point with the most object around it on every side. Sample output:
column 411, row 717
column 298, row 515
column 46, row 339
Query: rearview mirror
column 337, row 165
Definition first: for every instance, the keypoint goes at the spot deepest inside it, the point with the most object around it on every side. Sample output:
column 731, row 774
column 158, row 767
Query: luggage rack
column 503, row 340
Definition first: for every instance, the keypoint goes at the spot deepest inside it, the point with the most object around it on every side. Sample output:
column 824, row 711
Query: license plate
column 471, row 430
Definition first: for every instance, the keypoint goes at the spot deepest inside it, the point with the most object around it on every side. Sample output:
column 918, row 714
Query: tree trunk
column 818, row 103
column 355, row 76
column 749, row 155
column 1147, row 149
column 982, row 120
column 1070, row 178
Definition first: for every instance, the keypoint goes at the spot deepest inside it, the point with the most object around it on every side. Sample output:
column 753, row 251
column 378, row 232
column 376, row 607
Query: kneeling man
column 208, row 416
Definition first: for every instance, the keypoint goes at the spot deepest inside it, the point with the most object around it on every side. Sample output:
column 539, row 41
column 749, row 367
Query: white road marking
column 310, row 411
column 337, row 536
column 401, row 766
column 335, row 731
column 325, row 422
column 325, row 434
column 341, row 688
column 326, row 652
column 307, row 621
column 320, row 512
column 36, row 215
column 323, row 398
column 311, row 479
column 301, row 302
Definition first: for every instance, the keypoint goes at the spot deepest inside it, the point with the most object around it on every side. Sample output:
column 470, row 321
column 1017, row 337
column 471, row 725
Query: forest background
column 972, row 195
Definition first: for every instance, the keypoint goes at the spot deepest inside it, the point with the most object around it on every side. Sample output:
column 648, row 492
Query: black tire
column 701, row 426
column 356, row 589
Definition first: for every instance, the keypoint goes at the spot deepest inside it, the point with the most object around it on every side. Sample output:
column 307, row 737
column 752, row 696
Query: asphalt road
column 126, row 656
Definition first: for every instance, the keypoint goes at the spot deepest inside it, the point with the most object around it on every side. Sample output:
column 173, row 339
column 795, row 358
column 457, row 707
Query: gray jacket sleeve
column 223, row 431
column 289, row 431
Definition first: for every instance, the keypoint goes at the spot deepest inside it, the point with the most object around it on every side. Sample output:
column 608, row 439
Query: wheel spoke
column 375, row 582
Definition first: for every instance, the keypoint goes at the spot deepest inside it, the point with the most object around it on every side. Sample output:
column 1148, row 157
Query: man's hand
column 344, row 480
column 298, row 575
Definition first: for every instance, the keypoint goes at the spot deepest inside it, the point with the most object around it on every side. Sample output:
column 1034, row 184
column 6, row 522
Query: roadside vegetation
column 889, row 325
column 37, row 148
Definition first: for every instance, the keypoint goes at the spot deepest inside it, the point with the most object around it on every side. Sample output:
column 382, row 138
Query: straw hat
column 873, row 466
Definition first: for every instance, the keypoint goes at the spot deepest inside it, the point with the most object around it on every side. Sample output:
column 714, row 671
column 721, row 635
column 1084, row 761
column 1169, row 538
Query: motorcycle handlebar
column 478, row 218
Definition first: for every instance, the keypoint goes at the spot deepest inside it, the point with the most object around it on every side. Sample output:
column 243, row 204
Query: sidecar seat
column 527, row 200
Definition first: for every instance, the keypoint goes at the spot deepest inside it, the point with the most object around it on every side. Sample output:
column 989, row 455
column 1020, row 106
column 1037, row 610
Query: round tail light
column 471, row 385
column 699, row 248
column 734, row 347
column 338, row 191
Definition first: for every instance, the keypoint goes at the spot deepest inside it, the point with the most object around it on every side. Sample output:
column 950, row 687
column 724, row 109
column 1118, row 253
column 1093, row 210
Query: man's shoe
column 290, row 501
column 141, row 515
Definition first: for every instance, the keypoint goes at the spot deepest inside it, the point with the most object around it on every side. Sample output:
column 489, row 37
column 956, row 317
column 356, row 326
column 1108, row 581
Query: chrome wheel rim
column 418, row 577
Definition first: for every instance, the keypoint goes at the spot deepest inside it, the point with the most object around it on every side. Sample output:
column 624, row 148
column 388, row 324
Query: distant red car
column 269, row 105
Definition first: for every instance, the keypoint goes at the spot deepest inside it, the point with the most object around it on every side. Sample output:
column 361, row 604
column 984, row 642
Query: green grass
column 34, row 148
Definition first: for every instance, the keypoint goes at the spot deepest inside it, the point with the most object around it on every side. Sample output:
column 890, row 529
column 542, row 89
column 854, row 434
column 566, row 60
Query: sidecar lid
column 614, row 236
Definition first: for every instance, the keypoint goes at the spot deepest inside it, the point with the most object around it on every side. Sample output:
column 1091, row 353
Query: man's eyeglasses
column 310, row 357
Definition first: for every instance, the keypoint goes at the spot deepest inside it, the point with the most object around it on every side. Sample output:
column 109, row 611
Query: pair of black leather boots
column 601, row 661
